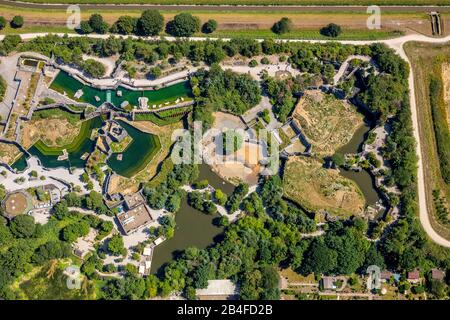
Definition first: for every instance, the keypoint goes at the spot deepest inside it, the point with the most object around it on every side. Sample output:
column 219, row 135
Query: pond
column 363, row 179
column 48, row 156
column 20, row 164
column 138, row 153
column 66, row 83
column 193, row 228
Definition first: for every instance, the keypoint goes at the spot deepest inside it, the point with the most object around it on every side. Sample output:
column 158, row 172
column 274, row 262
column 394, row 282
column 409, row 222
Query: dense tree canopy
column 183, row 25
column 150, row 23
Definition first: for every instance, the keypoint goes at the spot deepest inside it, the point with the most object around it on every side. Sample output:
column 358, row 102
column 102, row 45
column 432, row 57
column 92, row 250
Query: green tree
column 125, row 25
column 85, row 27
column 183, row 25
column 283, row 26
column 319, row 259
column 2, row 23
column 331, row 30
column 22, row 226
column 209, row 26
column 220, row 196
column 115, row 245
column 16, row 22
column 150, row 23
column 97, row 23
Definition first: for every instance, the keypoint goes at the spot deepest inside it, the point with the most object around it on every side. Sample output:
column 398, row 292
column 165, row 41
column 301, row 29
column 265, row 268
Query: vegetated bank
column 429, row 63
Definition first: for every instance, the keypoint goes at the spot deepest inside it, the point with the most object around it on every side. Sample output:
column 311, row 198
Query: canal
column 66, row 83
column 193, row 228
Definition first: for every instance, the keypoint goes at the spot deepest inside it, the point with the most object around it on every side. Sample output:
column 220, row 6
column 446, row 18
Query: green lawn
column 347, row 34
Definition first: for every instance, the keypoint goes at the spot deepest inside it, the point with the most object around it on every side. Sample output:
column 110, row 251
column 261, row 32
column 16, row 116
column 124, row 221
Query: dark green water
column 362, row 178
column 355, row 143
column 65, row 83
column 20, row 164
column 137, row 154
column 48, row 156
column 193, row 228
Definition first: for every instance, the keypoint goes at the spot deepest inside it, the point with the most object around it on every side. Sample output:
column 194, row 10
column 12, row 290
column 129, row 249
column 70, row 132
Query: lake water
column 193, row 228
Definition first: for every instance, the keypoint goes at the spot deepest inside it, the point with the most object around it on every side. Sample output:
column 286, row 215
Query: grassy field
column 84, row 134
column 425, row 59
column 237, row 23
column 256, row 2
column 328, row 123
column 315, row 188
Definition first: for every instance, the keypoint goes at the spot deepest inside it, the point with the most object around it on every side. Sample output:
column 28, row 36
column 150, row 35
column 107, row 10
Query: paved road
column 397, row 45
column 281, row 8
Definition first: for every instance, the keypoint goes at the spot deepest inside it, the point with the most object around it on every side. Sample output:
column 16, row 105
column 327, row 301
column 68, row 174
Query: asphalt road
column 249, row 8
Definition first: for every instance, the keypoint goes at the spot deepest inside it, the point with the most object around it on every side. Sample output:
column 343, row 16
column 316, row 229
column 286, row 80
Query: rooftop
column 132, row 200
column 135, row 218
column 218, row 288
column 437, row 274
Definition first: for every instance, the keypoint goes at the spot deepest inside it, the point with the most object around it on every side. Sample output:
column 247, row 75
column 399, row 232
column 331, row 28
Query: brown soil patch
column 321, row 190
column 16, row 204
column 9, row 153
column 327, row 123
column 53, row 132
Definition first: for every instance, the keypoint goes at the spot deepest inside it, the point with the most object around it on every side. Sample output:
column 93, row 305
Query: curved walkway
column 397, row 45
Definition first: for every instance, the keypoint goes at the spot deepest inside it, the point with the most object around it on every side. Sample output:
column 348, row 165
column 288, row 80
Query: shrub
column 332, row 30
column 282, row 26
column 85, row 27
column 16, row 22
column 253, row 63
column 265, row 60
column 94, row 68
column 202, row 184
column 2, row 23
column 209, row 26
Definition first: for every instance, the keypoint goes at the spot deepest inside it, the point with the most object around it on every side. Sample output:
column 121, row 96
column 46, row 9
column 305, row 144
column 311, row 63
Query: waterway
column 138, row 153
column 66, row 83
column 193, row 228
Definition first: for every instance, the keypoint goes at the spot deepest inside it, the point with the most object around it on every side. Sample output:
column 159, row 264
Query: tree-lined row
column 150, row 23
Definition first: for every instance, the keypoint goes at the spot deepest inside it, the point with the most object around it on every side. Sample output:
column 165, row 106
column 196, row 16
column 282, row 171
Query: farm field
column 431, row 131
column 327, row 123
column 315, row 188
column 236, row 23
column 254, row 2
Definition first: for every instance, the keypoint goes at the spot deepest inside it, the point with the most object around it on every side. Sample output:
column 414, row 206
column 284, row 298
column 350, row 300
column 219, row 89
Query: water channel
column 66, row 83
